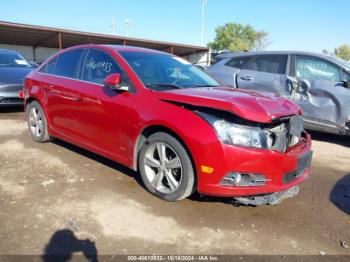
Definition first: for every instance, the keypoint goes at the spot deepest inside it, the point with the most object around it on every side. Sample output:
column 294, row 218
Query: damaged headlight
column 234, row 134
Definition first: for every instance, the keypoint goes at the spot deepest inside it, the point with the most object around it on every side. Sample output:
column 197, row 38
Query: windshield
column 11, row 59
column 163, row 72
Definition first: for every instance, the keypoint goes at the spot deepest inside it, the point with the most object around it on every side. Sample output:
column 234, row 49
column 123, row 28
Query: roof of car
column 232, row 54
column 324, row 56
column 120, row 48
column 133, row 49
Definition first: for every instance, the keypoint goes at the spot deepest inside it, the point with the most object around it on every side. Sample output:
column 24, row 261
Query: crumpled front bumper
column 282, row 171
column 268, row 199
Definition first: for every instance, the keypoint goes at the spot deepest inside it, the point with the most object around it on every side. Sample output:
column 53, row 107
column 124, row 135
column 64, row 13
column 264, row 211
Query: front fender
column 195, row 133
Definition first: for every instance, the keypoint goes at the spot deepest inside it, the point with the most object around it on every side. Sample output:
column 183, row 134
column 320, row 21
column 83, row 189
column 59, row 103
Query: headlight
column 234, row 134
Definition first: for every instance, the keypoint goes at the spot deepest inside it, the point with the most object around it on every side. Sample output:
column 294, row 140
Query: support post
column 34, row 56
column 60, row 41
column 209, row 58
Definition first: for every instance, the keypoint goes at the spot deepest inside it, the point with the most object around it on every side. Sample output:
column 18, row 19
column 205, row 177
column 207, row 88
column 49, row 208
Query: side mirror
column 304, row 84
column 114, row 82
column 292, row 84
column 346, row 83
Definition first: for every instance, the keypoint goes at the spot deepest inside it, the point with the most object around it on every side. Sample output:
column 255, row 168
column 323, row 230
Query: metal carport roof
column 35, row 36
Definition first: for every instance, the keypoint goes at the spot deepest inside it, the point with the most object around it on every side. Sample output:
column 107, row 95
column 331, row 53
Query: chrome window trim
column 79, row 80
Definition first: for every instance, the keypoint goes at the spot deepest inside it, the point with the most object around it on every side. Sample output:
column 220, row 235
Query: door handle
column 49, row 87
column 72, row 97
column 247, row 78
column 78, row 98
column 65, row 95
column 69, row 96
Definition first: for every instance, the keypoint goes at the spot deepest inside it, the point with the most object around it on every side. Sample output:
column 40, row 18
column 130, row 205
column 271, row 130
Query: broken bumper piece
column 268, row 199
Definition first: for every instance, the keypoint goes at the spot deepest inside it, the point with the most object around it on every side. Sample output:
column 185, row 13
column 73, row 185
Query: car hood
column 13, row 75
column 250, row 105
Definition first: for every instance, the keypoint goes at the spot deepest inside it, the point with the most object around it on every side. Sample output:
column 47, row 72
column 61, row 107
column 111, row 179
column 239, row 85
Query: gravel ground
column 54, row 196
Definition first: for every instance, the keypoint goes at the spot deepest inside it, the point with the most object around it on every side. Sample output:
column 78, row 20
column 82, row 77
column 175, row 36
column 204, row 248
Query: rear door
column 58, row 80
column 266, row 73
column 225, row 71
column 327, row 100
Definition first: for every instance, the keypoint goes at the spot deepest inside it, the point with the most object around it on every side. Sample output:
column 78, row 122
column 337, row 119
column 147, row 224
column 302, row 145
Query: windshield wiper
column 163, row 85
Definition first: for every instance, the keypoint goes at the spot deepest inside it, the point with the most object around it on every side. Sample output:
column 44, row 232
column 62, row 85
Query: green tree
column 237, row 37
column 343, row 52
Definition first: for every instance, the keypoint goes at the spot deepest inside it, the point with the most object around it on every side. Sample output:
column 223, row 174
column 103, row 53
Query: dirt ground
column 55, row 195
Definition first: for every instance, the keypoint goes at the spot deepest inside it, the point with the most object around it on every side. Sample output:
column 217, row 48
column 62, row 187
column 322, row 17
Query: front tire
column 166, row 168
column 37, row 124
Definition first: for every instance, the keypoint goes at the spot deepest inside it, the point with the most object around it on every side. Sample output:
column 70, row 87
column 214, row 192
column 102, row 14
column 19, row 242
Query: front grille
column 289, row 177
column 304, row 163
column 285, row 134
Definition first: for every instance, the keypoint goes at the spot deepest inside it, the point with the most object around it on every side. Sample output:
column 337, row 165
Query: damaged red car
column 159, row 115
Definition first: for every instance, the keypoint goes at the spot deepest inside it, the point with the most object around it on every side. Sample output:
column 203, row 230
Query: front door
column 102, row 116
column 326, row 98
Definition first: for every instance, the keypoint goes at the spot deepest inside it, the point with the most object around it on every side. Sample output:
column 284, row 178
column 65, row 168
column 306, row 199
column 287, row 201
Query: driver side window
column 316, row 69
column 98, row 65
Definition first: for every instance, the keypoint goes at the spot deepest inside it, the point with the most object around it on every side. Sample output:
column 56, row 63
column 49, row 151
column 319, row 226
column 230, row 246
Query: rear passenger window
column 275, row 64
column 239, row 62
column 98, row 65
column 67, row 63
column 49, row 68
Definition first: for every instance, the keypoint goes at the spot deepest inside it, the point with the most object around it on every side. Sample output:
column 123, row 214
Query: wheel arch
column 152, row 129
column 30, row 100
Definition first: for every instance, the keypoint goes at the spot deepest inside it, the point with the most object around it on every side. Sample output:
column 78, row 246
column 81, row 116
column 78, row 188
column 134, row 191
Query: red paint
column 110, row 123
column 113, row 80
column 244, row 103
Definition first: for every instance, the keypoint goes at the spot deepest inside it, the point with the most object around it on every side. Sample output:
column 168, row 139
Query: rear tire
column 166, row 168
column 37, row 124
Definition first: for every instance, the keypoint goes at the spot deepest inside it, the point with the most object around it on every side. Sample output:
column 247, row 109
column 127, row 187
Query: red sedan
column 161, row 116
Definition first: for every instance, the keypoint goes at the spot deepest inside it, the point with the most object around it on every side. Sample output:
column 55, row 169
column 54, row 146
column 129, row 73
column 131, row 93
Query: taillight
column 21, row 94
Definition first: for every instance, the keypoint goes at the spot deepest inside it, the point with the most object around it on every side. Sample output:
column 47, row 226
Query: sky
column 309, row 25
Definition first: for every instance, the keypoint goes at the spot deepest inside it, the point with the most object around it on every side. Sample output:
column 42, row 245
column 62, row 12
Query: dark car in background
column 13, row 69
column 319, row 84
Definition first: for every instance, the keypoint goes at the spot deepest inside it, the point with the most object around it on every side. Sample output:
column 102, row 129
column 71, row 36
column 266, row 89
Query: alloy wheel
column 163, row 167
column 36, row 122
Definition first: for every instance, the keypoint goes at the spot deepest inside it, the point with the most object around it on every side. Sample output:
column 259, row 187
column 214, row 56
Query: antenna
column 114, row 26
column 202, row 24
column 127, row 26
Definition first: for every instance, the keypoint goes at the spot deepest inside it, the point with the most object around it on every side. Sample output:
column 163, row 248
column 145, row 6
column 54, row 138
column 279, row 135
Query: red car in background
column 157, row 114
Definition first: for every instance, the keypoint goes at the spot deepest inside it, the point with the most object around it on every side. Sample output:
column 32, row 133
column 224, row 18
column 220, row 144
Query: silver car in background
column 13, row 69
column 319, row 84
